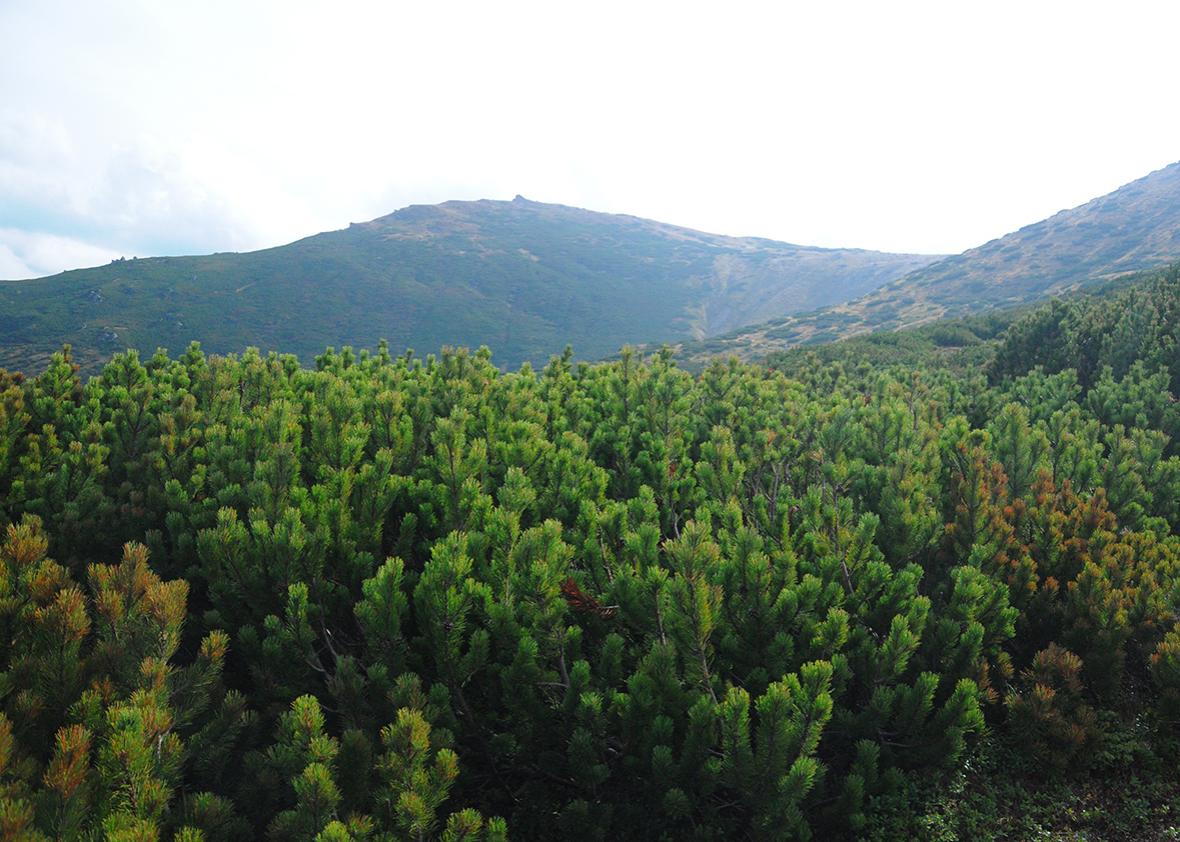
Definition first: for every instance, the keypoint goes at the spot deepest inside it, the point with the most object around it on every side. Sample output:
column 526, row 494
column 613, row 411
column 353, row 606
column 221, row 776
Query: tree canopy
column 398, row 598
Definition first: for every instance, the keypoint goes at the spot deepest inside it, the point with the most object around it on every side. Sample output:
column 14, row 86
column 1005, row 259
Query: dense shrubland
column 392, row 598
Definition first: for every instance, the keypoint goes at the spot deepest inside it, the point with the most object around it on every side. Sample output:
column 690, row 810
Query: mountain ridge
column 1130, row 229
column 523, row 277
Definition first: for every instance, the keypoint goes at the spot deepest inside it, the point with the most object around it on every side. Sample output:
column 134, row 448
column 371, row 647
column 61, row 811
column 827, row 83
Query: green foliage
column 101, row 714
column 396, row 598
column 1125, row 328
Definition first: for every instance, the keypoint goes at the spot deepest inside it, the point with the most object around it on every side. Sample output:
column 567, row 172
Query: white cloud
column 152, row 128
column 12, row 268
column 32, row 254
column 135, row 195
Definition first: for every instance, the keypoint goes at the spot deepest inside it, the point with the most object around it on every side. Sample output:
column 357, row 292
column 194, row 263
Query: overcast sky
column 146, row 128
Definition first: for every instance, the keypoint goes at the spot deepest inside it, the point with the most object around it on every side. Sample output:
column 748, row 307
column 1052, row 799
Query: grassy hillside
column 523, row 277
column 1135, row 227
column 959, row 344
column 1135, row 313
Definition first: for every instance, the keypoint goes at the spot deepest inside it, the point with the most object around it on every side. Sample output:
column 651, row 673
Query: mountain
column 522, row 277
column 1136, row 227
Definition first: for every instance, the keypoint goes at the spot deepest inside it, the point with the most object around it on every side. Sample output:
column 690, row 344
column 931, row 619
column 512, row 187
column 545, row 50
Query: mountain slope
column 523, row 277
column 1135, row 227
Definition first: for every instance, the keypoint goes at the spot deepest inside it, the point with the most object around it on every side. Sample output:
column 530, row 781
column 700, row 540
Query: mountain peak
column 525, row 278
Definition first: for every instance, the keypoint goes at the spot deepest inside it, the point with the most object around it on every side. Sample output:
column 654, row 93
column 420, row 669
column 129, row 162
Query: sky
column 145, row 128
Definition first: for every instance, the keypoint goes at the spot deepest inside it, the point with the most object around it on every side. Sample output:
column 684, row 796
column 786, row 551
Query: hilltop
column 1134, row 228
column 525, row 278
